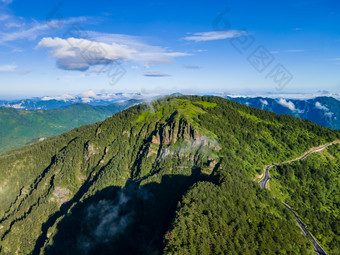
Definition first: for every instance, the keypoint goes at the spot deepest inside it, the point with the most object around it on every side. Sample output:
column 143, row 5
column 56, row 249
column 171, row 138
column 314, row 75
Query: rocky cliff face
column 179, row 139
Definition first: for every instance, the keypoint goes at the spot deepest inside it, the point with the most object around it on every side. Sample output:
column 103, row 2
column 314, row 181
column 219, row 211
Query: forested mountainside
column 20, row 127
column 312, row 188
column 175, row 176
column 324, row 111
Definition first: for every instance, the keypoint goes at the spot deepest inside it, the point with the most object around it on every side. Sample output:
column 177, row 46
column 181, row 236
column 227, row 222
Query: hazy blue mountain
column 324, row 111
column 66, row 100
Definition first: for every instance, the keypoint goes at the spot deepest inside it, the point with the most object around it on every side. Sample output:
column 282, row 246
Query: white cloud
column 81, row 54
column 201, row 50
column 135, row 67
column 146, row 53
column 4, row 17
column 290, row 105
column 89, row 93
column 89, row 96
column 64, row 97
column 192, row 67
column 319, row 106
column 294, row 51
column 264, row 102
column 17, row 106
column 30, row 33
column 210, row 36
column 33, row 30
column 13, row 24
column 156, row 74
column 12, row 69
column 8, row 68
column 329, row 114
column 7, row 1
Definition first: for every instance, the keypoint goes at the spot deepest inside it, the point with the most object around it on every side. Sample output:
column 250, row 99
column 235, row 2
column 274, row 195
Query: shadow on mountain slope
column 129, row 220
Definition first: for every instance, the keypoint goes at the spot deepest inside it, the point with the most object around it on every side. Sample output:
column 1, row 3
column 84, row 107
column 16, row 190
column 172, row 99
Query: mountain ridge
column 163, row 149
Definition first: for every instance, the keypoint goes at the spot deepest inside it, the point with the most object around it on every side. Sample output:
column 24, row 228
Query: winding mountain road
column 317, row 247
column 263, row 182
column 266, row 177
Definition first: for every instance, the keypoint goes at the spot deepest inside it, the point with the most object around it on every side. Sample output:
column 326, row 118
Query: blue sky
column 55, row 47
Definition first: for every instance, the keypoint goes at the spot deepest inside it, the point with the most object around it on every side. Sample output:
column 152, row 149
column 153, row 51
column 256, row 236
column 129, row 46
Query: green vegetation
column 113, row 187
column 20, row 127
column 222, row 220
column 312, row 188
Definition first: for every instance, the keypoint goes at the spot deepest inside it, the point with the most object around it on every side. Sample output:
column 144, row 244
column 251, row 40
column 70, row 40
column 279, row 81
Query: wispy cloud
column 191, row 67
column 214, row 35
column 156, row 74
column 294, row 51
column 31, row 31
column 7, row 68
column 11, row 69
column 288, row 51
column 4, row 17
column 7, row 1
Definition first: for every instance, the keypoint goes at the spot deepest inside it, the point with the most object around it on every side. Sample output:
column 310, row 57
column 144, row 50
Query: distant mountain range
column 55, row 115
column 324, row 111
column 66, row 100
column 20, row 127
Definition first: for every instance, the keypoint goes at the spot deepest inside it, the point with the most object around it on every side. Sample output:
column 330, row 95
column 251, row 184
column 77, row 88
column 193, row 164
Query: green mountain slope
column 113, row 187
column 312, row 188
column 20, row 127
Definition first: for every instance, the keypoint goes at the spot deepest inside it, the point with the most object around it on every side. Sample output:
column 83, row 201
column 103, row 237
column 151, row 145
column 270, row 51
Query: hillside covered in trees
column 21, row 127
column 312, row 188
column 174, row 176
